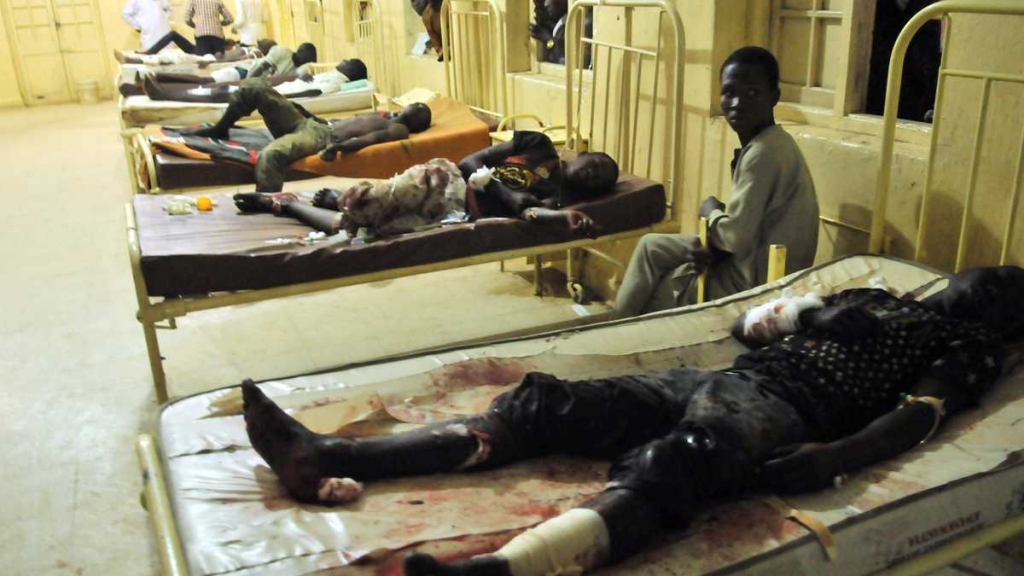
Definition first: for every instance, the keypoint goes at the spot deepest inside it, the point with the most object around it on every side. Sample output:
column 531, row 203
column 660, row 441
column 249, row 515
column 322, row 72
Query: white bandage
column 778, row 317
column 338, row 490
column 481, row 178
column 566, row 545
column 229, row 74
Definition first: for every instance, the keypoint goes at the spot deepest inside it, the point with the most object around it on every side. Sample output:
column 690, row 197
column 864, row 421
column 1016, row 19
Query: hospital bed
column 170, row 247
column 136, row 112
column 219, row 510
column 216, row 508
column 166, row 164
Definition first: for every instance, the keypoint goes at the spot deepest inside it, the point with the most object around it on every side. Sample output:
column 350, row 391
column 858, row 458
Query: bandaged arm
column 775, row 319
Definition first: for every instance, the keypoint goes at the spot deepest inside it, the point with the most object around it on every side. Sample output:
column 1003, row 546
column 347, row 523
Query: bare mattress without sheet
column 234, row 518
column 227, row 250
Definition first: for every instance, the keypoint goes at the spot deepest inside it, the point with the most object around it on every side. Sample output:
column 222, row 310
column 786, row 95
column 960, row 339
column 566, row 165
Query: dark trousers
column 295, row 135
column 209, row 45
column 178, row 40
column 645, row 424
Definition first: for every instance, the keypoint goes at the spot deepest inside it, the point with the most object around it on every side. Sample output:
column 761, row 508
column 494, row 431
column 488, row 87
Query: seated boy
column 772, row 202
column 528, row 181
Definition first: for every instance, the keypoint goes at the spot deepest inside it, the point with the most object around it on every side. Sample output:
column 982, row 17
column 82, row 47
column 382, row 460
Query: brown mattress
column 225, row 250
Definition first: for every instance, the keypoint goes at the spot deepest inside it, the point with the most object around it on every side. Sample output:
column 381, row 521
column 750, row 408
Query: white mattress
column 140, row 110
column 234, row 518
column 129, row 70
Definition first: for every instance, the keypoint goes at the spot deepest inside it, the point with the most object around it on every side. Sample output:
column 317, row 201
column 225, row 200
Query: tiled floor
column 76, row 389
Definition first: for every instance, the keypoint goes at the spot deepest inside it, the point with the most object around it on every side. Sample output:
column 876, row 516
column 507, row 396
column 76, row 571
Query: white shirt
column 326, row 82
column 251, row 22
column 150, row 17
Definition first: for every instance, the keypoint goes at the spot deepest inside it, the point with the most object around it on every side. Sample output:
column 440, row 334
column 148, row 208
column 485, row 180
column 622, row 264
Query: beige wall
column 9, row 95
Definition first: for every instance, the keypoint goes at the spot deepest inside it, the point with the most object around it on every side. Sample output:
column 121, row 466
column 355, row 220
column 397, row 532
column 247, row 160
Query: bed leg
column 156, row 364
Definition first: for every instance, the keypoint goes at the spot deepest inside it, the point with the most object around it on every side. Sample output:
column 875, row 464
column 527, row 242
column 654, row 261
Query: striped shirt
column 208, row 17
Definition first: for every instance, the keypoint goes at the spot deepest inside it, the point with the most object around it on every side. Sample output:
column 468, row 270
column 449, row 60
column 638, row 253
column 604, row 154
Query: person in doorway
column 298, row 134
column 151, row 19
column 772, row 202
column 208, row 17
column 795, row 414
column 430, row 13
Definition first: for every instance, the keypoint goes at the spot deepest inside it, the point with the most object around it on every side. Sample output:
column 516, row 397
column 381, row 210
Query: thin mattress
column 454, row 133
column 140, row 110
column 227, row 250
column 234, row 518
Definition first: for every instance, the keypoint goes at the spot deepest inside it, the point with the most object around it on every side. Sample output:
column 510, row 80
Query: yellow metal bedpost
column 776, row 262
column 144, row 314
column 158, row 504
column 702, row 279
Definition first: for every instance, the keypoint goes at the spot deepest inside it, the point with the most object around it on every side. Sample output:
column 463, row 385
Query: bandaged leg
column 570, row 544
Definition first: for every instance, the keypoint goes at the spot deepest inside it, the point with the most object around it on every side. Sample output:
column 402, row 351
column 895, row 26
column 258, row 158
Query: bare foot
column 263, row 201
column 426, row 565
column 326, row 198
column 292, row 451
column 119, row 56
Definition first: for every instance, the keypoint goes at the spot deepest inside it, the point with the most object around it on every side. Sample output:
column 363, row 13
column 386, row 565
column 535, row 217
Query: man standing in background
column 152, row 19
column 208, row 17
column 252, row 21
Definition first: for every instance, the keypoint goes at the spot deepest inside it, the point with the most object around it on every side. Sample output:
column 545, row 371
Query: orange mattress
column 454, row 133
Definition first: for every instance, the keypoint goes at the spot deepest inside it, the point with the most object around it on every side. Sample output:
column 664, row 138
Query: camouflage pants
column 295, row 136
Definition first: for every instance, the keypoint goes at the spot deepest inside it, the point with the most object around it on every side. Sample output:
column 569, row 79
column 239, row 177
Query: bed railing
column 943, row 9
column 369, row 41
column 473, row 46
column 637, row 111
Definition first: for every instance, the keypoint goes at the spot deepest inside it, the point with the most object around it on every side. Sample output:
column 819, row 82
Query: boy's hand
column 580, row 224
column 710, row 205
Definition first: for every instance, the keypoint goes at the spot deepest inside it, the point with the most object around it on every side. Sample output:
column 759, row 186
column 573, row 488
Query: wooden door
column 37, row 52
column 81, row 39
column 298, row 16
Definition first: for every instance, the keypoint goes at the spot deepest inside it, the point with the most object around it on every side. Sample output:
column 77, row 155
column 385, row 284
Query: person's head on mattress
column 589, row 175
column 416, row 117
column 991, row 296
column 353, row 69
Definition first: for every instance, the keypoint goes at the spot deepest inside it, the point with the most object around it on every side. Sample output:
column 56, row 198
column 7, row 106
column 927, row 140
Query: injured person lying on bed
column 523, row 178
column 833, row 385
column 181, row 88
column 298, row 134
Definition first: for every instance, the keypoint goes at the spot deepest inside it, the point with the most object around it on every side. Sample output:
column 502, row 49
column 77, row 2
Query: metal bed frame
column 152, row 313
column 369, row 43
column 473, row 47
column 155, row 496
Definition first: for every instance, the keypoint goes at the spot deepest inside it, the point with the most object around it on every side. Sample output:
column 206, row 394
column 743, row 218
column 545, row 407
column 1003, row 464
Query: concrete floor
column 76, row 386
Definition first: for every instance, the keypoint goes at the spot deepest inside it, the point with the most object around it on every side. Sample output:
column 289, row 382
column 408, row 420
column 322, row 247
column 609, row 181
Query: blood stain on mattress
column 472, row 373
column 544, row 511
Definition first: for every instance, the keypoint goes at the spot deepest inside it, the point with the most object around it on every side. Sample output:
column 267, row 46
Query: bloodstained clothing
column 842, row 385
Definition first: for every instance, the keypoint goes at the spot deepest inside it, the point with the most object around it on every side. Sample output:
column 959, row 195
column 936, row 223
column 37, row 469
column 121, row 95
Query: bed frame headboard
column 369, row 41
column 473, row 45
column 942, row 9
column 627, row 64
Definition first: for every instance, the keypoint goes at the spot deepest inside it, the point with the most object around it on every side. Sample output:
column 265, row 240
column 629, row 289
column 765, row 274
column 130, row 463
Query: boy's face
column 747, row 97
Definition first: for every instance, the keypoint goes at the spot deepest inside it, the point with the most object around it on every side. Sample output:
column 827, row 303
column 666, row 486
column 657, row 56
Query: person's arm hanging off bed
column 818, row 401
column 529, row 181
